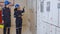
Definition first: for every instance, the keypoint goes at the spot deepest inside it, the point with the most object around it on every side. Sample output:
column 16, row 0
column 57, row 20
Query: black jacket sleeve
column 9, row 12
column 23, row 10
column 15, row 12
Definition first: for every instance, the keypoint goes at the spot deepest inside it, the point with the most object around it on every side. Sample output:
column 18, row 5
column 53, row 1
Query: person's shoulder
column 3, row 8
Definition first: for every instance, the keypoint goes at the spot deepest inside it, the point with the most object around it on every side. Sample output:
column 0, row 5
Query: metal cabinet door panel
column 48, row 28
column 45, row 13
column 41, row 29
column 53, row 13
column 59, row 18
column 52, row 29
column 58, row 30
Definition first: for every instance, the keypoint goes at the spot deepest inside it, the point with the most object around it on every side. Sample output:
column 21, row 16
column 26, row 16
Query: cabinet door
column 44, row 14
column 41, row 28
column 52, row 29
column 53, row 15
column 58, row 30
column 59, row 18
column 48, row 27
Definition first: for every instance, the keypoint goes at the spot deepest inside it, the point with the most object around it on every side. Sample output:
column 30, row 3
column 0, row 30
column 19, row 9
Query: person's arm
column 3, row 13
column 15, row 12
column 9, row 12
column 23, row 10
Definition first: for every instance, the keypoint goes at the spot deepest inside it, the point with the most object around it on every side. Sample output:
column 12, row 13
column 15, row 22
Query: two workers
column 6, row 16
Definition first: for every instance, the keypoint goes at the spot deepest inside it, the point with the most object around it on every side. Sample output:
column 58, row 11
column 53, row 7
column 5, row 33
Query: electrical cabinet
column 48, row 16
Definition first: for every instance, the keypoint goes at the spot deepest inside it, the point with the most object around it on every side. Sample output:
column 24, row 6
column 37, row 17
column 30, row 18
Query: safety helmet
column 7, row 2
column 17, row 5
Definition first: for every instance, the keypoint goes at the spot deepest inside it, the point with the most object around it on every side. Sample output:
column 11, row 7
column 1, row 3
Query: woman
column 18, row 15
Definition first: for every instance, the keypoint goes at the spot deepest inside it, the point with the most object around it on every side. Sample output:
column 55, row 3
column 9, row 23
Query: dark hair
column 15, row 9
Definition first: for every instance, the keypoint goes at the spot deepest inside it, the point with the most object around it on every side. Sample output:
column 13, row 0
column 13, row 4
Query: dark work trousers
column 18, row 31
column 18, row 25
column 5, row 30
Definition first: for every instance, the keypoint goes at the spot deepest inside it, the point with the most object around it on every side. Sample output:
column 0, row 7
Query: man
column 6, row 16
column 18, row 15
